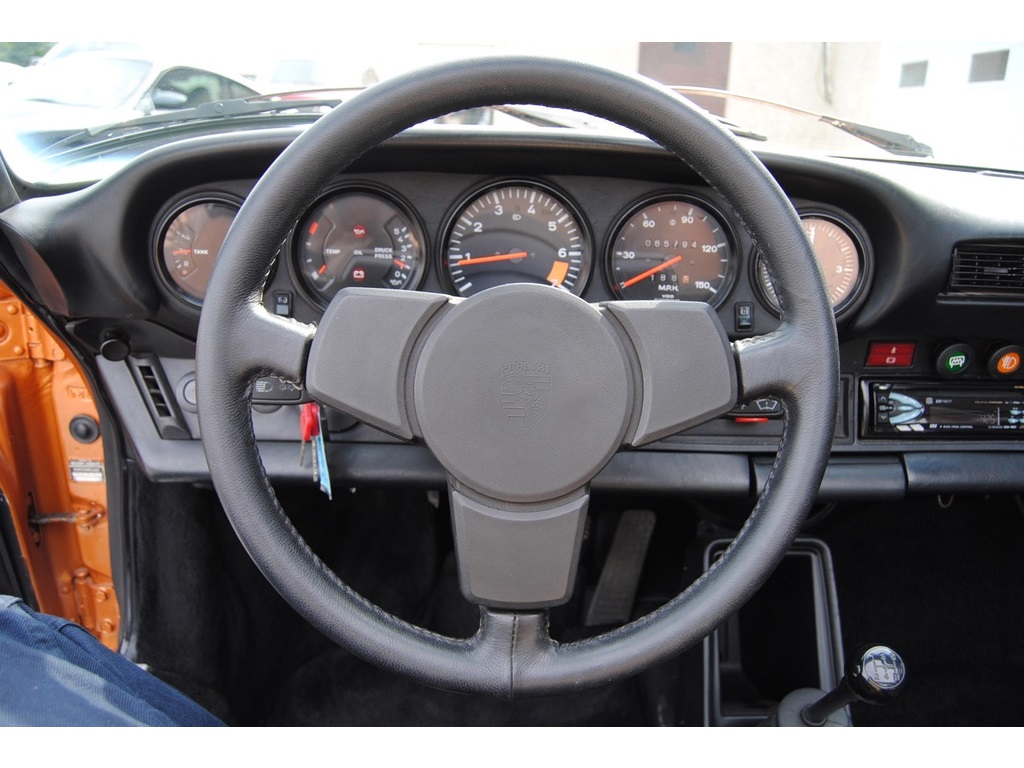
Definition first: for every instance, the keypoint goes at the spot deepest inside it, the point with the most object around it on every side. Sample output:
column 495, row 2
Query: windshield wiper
column 891, row 141
column 214, row 110
column 545, row 117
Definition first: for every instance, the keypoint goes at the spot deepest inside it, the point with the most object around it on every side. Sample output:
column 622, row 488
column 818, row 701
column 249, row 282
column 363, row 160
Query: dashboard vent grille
column 156, row 395
column 991, row 268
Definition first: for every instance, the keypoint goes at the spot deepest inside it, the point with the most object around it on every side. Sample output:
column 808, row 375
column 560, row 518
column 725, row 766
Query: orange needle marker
column 651, row 271
column 489, row 259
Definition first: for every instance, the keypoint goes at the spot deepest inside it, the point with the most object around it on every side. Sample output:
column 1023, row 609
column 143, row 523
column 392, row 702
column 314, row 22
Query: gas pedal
column 613, row 599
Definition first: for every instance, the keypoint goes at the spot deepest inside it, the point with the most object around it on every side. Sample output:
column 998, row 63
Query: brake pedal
column 613, row 599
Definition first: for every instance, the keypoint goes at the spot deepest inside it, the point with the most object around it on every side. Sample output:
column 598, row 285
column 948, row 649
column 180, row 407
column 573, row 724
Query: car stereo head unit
column 922, row 409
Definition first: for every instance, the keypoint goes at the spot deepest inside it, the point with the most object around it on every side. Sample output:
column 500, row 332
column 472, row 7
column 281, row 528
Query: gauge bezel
column 380, row 191
column 858, row 293
column 479, row 190
column 168, row 213
column 724, row 221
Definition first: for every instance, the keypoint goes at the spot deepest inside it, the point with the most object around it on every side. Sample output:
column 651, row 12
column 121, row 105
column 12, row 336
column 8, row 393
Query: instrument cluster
column 672, row 245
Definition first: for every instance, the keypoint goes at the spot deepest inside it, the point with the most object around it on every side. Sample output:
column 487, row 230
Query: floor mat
column 944, row 587
column 337, row 689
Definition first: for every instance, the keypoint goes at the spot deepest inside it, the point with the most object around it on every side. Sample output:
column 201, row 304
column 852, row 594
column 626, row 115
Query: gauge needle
column 651, row 271
column 400, row 264
column 489, row 259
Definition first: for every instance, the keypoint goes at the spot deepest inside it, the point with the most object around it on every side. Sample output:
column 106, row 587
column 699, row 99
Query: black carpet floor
column 945, row 588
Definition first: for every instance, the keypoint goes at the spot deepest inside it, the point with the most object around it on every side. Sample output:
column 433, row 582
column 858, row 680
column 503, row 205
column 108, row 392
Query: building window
column 913, row 74
column 988, row 66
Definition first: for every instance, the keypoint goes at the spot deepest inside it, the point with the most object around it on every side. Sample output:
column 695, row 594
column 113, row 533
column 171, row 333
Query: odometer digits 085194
column 671, row 248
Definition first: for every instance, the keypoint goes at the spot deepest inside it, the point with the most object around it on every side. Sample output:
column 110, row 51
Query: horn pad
column 523, row 392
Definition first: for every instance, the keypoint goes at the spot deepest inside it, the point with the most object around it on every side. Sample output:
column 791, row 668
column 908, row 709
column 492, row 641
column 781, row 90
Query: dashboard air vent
column 158, row 396
column 994, row 268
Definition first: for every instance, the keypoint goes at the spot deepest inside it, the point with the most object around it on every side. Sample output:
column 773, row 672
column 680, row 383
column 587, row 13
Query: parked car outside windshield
column 54, row 99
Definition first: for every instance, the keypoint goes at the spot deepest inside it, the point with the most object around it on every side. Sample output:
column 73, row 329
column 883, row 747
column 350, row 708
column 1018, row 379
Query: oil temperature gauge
column 840, row 255
column 357, row 237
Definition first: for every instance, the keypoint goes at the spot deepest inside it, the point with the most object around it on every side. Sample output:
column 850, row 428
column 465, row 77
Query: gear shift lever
column 874, row 674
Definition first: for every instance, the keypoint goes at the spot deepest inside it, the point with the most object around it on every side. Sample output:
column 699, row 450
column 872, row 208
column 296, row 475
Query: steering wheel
column 522, row 392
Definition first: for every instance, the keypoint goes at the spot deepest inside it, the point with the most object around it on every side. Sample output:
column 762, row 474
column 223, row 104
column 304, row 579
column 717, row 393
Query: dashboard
column 932, row 386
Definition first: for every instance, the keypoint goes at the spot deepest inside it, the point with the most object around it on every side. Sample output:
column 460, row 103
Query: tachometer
column 672, row 248
column 355, row 237
column 519, row 232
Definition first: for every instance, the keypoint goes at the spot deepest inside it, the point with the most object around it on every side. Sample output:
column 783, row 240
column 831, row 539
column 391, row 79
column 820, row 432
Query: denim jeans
column 53, row 672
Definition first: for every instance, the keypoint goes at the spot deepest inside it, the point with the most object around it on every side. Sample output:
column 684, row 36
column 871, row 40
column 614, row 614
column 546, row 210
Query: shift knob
column 874, row 674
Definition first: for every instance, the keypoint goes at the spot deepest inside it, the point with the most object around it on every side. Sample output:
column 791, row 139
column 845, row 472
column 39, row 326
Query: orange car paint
column 60, row 518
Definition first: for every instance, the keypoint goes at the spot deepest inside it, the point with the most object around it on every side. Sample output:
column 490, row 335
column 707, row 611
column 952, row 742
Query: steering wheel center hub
column 523, row 392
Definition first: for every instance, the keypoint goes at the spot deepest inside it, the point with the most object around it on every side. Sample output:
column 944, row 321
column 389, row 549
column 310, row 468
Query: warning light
column 359, row 231
column 358, row 274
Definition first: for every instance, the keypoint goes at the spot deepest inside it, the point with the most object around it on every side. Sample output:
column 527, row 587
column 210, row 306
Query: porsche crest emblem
column 525, row 392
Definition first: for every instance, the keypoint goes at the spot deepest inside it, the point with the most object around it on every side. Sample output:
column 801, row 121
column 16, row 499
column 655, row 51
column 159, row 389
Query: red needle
column 488, row 259
column 400, row 264
column 651, row 271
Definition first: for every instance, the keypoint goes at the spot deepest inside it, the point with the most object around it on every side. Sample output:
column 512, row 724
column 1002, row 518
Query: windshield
column 947, row 103
column 81, row 81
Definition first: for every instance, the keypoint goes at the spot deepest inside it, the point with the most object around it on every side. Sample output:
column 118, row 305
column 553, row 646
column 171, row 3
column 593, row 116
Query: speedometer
column 520, row 232
column 672, row 248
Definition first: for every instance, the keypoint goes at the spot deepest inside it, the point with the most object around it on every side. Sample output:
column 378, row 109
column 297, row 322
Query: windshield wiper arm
column 547, row 119
column 891, row 141
column 214, row 110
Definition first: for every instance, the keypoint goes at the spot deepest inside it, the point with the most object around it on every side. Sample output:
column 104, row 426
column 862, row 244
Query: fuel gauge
column 192, row 238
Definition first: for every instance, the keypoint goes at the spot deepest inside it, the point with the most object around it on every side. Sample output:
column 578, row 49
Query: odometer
column 672, row 248
column 517, row 233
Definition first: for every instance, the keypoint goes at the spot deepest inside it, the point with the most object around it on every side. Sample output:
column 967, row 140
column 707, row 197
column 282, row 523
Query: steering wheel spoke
column 517, row 556
column 251, row 342
column 779, row 364
column 360, row 358
column 269, row 344
column 686, row 368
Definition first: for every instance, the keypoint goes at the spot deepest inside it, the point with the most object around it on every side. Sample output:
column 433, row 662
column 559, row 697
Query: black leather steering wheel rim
column 512, row 653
